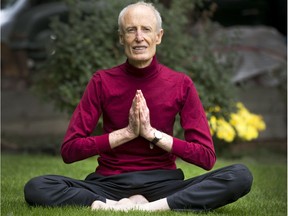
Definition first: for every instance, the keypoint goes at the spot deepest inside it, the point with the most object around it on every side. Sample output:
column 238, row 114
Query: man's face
column 139, row 35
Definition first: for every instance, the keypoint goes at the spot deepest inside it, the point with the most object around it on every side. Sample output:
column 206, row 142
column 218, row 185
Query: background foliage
column 89, row 41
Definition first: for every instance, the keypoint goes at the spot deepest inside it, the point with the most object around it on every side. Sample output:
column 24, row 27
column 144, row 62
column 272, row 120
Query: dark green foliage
column 89, row 41
column 211, row 69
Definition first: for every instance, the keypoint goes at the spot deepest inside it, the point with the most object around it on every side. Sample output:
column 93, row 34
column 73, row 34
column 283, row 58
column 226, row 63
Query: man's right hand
column 132, row 131
column 133, row 127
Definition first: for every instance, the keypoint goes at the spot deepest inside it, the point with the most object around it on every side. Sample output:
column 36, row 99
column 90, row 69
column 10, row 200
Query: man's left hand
column 146, row 130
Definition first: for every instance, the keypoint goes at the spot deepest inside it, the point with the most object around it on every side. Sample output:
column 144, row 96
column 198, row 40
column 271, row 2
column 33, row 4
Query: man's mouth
column 139, row 48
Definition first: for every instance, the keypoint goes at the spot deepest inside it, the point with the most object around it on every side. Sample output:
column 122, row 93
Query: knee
column 32, row 191
column 243, row 174
column 243, row 178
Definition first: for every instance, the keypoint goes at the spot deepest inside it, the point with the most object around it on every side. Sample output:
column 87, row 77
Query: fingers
column 142, row 102
column 141, row 99
column 145, row 125
column 134, row 118
column 136, row 104
column 143, row 109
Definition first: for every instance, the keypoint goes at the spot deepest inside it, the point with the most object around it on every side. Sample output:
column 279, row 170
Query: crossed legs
column 206, row 192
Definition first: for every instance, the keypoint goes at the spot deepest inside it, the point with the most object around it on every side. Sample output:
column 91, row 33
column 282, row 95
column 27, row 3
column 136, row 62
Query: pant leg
column 55, row 190
column 213, row 190
column 152, row 184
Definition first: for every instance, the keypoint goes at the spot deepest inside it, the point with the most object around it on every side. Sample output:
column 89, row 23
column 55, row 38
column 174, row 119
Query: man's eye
column 146, row 29
column 130, row 30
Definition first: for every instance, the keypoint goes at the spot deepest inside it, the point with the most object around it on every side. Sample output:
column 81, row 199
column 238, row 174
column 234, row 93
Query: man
column 137, row 151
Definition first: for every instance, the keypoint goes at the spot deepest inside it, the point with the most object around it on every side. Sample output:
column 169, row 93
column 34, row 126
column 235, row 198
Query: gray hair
column 142, row 3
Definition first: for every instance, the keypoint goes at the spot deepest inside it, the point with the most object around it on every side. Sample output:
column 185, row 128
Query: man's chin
column 140, row 57
column 140, row 62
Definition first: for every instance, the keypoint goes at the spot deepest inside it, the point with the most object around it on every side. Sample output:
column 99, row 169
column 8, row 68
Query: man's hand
column 139, row 125
column 134, row 118
column 118, row 137
column 146, row 130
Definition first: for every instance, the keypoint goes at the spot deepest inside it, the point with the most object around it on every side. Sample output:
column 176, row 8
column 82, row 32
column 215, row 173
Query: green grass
column 267, row 197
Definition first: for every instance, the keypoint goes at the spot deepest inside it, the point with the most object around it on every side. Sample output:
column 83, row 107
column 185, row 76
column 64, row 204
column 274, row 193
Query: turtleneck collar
column 146, row 72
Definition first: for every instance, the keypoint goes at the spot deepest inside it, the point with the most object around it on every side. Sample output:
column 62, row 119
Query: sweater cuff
column 178, row 146
column 103, row 144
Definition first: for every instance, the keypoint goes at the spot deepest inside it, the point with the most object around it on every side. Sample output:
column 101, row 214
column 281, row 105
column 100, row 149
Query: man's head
column 140, row 31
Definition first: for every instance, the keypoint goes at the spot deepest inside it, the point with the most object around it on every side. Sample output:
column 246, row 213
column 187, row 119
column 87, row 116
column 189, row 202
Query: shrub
column 84, row 44
column 89, row 41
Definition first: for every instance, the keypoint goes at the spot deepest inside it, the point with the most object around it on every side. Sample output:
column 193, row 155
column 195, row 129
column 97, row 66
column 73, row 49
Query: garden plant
column 89, row 41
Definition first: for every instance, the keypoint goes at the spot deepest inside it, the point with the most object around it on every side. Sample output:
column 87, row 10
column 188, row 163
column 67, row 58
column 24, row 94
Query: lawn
column 267, row 197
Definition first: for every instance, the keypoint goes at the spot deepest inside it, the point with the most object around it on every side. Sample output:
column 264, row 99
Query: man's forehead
column 141, row 8
column 139, row 14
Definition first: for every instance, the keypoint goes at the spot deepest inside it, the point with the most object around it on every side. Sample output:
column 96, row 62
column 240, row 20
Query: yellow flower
column 246, row 124
column 240, row 105
column 235, row 119
column 246, row 132
column 213, row 124
column 214, row 109
column 225, row 131
column 242, row 124
column 257, row 122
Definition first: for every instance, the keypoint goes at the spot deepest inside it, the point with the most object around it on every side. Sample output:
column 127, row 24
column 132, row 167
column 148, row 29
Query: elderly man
column 139, row 101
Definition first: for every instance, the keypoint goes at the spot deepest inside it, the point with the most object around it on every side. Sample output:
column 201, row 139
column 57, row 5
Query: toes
column 98, row 205
column 124, row 201
column 138, row 199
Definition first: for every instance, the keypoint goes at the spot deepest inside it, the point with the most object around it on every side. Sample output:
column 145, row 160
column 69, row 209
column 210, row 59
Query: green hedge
column 89, row 41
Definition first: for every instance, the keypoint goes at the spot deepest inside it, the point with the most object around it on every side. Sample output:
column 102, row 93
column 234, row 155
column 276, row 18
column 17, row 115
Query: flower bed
column 241, row 125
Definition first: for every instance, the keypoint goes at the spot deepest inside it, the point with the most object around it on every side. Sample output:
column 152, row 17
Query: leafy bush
column 86, row 43
column 89, row 42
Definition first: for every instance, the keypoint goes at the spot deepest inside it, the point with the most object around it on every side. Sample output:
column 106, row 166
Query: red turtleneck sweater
column 167, row 93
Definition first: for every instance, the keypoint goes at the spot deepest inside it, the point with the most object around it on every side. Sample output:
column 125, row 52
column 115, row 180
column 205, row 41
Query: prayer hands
column 139, row 117
column 139, row 125
column 134, row 119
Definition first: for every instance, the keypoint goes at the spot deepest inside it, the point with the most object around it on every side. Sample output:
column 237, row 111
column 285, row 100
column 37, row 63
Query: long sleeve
column 78, row 144
column 110, row 93
column 198, row 146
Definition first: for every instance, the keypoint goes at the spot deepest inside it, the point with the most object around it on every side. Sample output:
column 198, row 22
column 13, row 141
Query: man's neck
column 140, row 64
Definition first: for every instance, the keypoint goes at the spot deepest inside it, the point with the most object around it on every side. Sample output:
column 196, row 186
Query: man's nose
column 139, row 35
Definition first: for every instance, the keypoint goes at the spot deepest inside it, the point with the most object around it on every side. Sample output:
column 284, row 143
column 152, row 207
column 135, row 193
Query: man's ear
column 121, row 38
column 159, row 36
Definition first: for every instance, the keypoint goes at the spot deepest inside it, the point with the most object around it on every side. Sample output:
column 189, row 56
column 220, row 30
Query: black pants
column 205, row 192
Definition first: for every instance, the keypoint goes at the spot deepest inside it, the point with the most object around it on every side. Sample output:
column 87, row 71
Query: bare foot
column 138, row 199
column 98, row 205
column 123, row 205
column 111, row 202
column 136, row 202
column 125, row 201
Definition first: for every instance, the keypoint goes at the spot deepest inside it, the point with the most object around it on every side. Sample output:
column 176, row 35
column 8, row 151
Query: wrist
column 157, row 136
column 150, row 135
column 129, row 134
